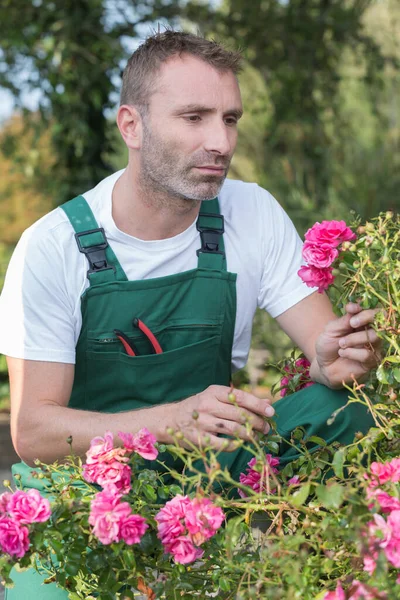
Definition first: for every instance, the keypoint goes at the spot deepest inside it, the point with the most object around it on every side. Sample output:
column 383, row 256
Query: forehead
column 189, row 80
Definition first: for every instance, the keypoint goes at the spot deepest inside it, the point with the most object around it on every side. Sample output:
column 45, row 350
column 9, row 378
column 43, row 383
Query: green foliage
column 301, row 539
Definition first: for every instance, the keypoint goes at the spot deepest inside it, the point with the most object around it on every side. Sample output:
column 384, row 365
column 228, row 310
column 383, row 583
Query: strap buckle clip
column 95, row 254
column 210, row 236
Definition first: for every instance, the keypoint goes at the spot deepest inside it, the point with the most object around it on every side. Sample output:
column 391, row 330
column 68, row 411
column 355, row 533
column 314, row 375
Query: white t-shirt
column 40, row 315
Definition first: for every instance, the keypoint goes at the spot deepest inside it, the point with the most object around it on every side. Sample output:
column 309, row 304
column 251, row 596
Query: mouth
column 212, row 170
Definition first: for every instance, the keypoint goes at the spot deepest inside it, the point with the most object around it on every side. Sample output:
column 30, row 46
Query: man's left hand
column 347, row 349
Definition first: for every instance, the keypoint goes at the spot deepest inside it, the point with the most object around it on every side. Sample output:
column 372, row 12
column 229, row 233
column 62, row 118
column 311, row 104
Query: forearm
column 44, row 435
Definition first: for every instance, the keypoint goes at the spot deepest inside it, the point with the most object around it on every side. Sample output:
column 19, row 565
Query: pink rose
column 4, row 498
column 314, row 277
column 295, row 480
column 132, row 529
column 258, row 480
column 319, row 255
column 361, row 591
column 171, row 518
column 329, row 232
column 338, row 594
column 106, row 515
column 28, row 507
column 302, row 366
column 387, row 503
column 142, row 443
column 105, row 474
column 184, row 524
column 183, row 550
column 14, row 538
column 202, row 519
column 102, row 450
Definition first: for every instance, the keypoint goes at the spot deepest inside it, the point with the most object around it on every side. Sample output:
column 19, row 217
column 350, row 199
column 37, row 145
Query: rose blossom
column 102, row 450
column 113, row 474
column 142, row 443
column 14, row 538
column 184, row 524
column 385, row 472
column 302, row 365
column 106, row 515
column 132, row 529
column 319, row 255
column 4, row 498
column 314, row 277
column 28, row 507
column 202, row 519
column 338, row 594
column 329, row 232
column 171, row 517
column 361, row 591
column 258, row 481
column 183, row 550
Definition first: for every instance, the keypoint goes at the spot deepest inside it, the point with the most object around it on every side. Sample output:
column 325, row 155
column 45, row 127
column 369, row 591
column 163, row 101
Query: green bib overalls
column 192, row 314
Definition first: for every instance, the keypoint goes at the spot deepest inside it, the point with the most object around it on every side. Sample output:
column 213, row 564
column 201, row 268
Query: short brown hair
column 138, row 77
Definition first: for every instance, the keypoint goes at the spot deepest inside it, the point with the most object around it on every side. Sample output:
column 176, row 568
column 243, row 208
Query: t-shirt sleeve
column 36, row 312
column 281, row 287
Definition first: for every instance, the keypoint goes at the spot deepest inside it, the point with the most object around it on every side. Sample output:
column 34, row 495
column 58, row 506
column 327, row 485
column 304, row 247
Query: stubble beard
column 164, row 179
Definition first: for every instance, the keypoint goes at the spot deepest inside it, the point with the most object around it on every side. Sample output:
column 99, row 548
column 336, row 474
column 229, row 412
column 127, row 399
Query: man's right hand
column 202, row 417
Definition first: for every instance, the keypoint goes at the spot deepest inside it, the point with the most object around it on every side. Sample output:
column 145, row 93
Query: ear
column 130, row 126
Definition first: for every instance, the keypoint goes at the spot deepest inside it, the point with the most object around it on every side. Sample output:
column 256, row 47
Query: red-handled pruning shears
column 130, row 347
column 149, row 334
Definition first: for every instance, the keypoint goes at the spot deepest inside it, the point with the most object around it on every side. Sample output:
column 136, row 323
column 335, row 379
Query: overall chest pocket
column 186, row 366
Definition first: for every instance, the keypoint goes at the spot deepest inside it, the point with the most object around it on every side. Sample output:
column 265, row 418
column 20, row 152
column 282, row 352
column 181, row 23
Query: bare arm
column 41, row 421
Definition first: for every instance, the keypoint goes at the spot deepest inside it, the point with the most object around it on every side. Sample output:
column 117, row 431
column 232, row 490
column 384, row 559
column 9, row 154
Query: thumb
column 340, row 326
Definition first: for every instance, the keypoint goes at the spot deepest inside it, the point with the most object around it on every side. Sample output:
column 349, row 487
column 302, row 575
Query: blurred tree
column 298, row 47
column 27, row 162
column 71, row 50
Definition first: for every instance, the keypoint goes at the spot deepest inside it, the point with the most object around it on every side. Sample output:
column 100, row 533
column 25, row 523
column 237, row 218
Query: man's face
column 190, row 129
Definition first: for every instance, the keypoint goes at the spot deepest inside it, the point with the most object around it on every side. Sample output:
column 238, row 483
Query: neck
column 147, row 213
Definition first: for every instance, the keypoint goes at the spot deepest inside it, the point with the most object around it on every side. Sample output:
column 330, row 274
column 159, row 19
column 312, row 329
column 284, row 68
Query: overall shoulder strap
column 210, row 224
column 103, row 264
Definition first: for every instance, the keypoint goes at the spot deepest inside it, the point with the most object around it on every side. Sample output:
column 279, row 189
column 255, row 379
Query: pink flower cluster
column 383, row 535
column 113, row 520
column 302, row 367
column 185, row 524
column 257, row 475
column 320, row 250
column 17, row 510
column 357, row 591
column 107, row 466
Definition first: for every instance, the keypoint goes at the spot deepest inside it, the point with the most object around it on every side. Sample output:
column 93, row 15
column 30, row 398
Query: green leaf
column 317, row 440
column 224, row 584
column 381, row 375
column 396, row 374
column 337, row 462
column 331, row 495
column 300, row 496
column 149, row 493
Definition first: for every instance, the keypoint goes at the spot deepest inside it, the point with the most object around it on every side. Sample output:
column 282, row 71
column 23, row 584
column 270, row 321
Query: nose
column 220, row 138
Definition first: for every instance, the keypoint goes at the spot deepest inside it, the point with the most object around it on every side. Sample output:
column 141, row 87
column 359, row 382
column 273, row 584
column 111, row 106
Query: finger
column 364, row 317
column 353, row 308
column 365, row 357
column 239, row 416
column 208, row 440
column 259, row 406
column 234, row 428
column 359, row 338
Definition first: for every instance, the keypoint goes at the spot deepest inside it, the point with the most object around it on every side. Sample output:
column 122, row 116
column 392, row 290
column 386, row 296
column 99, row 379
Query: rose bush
column 324, row 527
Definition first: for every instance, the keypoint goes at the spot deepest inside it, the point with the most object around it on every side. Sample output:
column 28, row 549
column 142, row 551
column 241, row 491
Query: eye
column 232, row 121
column 193, row 118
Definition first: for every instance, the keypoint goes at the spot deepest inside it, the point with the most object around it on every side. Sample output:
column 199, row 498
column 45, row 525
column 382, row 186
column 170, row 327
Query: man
column 144, row 318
